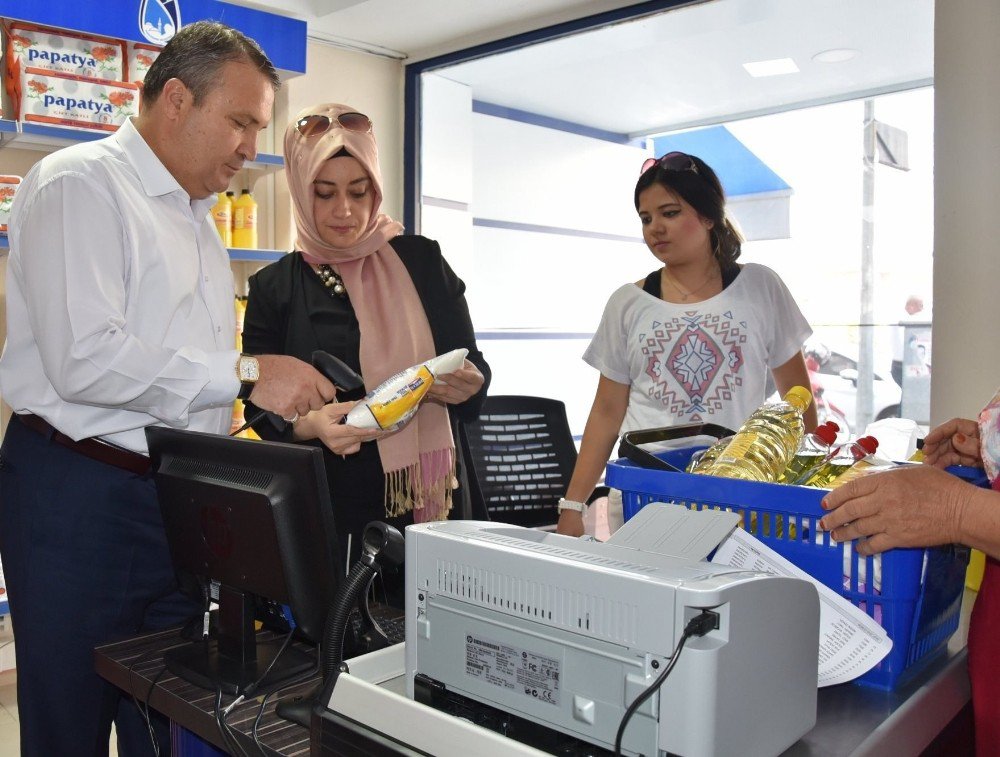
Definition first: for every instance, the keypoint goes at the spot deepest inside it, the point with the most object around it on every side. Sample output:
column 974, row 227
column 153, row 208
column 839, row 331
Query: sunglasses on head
column 672, row 161
column 313, row 126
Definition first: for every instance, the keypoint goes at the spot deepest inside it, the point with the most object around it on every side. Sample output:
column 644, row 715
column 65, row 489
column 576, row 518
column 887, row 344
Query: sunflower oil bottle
column 222, row 214
column 846, row 456
column 701, row 461
column 869, row 464
column 245, row 221
column 814, row 450
column 766, row 442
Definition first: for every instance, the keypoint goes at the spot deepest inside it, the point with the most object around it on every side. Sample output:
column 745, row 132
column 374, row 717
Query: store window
column 524, row 157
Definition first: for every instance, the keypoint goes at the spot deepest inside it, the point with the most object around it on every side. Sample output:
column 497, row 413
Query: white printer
column 567, row 633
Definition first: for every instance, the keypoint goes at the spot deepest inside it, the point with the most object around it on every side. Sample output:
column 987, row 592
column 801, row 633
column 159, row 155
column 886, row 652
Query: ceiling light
column 771, row 67
column 836, row 55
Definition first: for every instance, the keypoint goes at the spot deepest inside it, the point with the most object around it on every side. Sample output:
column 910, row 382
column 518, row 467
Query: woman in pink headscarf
column 381, row 301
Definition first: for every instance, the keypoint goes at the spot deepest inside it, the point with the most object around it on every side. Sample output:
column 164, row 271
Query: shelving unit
column 48, row 138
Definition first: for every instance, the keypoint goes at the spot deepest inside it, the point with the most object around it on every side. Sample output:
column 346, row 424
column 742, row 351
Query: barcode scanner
column 336, row 370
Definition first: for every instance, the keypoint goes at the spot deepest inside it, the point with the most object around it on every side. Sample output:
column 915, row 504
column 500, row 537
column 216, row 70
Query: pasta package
column 8, row 188
column 33, row 46
column 75, row 101
column 393, row 402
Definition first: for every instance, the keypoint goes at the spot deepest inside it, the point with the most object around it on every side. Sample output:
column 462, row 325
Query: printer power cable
column 699, row 625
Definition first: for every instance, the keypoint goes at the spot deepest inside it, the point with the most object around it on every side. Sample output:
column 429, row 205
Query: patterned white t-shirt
column 705, row 362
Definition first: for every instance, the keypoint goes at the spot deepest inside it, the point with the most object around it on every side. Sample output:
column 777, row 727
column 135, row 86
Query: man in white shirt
column 120, row 316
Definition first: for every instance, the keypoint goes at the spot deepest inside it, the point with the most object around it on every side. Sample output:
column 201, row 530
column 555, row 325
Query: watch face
column 249, row 369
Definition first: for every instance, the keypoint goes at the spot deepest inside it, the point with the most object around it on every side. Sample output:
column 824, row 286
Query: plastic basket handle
column 629, row 447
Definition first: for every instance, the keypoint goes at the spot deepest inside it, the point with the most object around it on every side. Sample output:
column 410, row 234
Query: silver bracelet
column 569, row 504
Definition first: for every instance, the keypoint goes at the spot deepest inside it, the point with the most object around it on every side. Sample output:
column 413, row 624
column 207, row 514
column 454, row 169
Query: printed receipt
column 850, row 642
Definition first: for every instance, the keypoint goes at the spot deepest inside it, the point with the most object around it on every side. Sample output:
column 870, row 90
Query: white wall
column 967, row 184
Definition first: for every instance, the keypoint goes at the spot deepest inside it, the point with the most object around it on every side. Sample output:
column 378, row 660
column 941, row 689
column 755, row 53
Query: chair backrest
column 520, row 456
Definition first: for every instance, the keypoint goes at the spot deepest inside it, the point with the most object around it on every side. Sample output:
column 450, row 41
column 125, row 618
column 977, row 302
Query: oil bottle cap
column 799, row 396
column 833, row 426
column 826, row 434
column 868, row 443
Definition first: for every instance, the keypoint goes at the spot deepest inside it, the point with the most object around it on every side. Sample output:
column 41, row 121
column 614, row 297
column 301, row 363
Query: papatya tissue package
column 33, row 46
column 75, row 101
column 140, row 58
column 8, row 188
column 393, row 402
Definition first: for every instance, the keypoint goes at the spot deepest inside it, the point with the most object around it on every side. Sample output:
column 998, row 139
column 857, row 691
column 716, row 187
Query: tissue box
column 75, row 101
column 33, row 46
column 8, row 188
column 140, row 58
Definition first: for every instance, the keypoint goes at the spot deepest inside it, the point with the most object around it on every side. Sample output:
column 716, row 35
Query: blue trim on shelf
column 236, row 254
column 267, row 159
column 241, row 255
column 61, row 132
column 537, row 119
column 7, row 125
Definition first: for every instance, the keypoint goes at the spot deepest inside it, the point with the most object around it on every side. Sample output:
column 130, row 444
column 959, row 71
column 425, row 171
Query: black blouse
column 291, row 312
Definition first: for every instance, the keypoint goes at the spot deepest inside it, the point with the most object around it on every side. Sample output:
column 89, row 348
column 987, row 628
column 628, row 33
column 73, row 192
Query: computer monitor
column 255, row 518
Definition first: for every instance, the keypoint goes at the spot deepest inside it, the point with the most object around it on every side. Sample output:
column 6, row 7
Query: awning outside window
column 755, row 195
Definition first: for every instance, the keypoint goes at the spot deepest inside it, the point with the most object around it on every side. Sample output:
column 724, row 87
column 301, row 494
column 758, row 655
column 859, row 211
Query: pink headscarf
column 419, row 459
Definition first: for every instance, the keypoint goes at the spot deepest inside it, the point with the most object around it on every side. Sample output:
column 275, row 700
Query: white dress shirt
column 120, row 309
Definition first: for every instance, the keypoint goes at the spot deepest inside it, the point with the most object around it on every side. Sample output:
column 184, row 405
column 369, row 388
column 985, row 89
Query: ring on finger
column 291, row 420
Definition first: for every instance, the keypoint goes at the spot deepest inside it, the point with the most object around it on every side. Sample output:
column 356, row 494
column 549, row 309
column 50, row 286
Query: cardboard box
column 43, row 47
column 8, row 188
column 75, row 101
column 140, row 58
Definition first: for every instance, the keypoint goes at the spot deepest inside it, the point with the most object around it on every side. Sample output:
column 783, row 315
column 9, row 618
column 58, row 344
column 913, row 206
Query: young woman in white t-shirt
column 695, row 340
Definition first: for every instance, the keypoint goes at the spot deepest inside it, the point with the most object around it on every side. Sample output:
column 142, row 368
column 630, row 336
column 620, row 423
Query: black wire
column 305, row 676
column 135, row 699
column 232, row 745
column 650, row 690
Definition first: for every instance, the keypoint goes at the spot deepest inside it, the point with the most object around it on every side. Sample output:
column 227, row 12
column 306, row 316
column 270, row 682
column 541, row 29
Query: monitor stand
column 234, row 659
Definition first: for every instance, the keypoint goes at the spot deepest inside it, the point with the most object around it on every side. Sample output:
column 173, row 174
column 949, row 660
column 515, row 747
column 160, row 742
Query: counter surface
column 851, row 719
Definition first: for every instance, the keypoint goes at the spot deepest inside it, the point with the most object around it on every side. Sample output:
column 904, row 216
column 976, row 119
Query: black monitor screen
column 254, row 517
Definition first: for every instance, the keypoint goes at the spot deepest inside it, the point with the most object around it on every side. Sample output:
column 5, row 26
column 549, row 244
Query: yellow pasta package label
column 404, row 400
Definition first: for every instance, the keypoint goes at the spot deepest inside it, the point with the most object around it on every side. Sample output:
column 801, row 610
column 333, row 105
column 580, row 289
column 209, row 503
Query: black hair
column 197, row 52
column 702, row 190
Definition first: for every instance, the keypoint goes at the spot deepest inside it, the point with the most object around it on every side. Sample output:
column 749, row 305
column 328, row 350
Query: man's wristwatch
column 569, row 504
column 248, row 372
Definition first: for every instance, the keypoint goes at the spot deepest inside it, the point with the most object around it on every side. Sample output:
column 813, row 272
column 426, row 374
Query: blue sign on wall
column 282, row 38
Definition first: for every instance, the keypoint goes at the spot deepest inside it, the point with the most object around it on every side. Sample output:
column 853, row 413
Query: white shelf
column 40, row 137
column 236, row 254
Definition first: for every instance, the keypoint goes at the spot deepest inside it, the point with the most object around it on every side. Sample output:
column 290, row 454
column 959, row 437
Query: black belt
column 93, row 448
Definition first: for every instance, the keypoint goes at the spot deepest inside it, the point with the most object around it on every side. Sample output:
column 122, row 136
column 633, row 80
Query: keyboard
column 391, row 621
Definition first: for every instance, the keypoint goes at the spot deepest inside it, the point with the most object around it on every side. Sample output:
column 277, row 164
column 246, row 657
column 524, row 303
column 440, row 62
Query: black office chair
column 519, row 456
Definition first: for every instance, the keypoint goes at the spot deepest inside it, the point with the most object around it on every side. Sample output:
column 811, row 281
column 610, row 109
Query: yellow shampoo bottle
column 222, row 214
column 245, row 221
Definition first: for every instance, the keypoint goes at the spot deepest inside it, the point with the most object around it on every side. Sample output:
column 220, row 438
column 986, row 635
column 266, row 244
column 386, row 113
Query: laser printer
column 566, row 633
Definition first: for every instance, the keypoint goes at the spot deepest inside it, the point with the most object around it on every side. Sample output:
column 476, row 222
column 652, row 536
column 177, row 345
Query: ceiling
column 677, row 68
